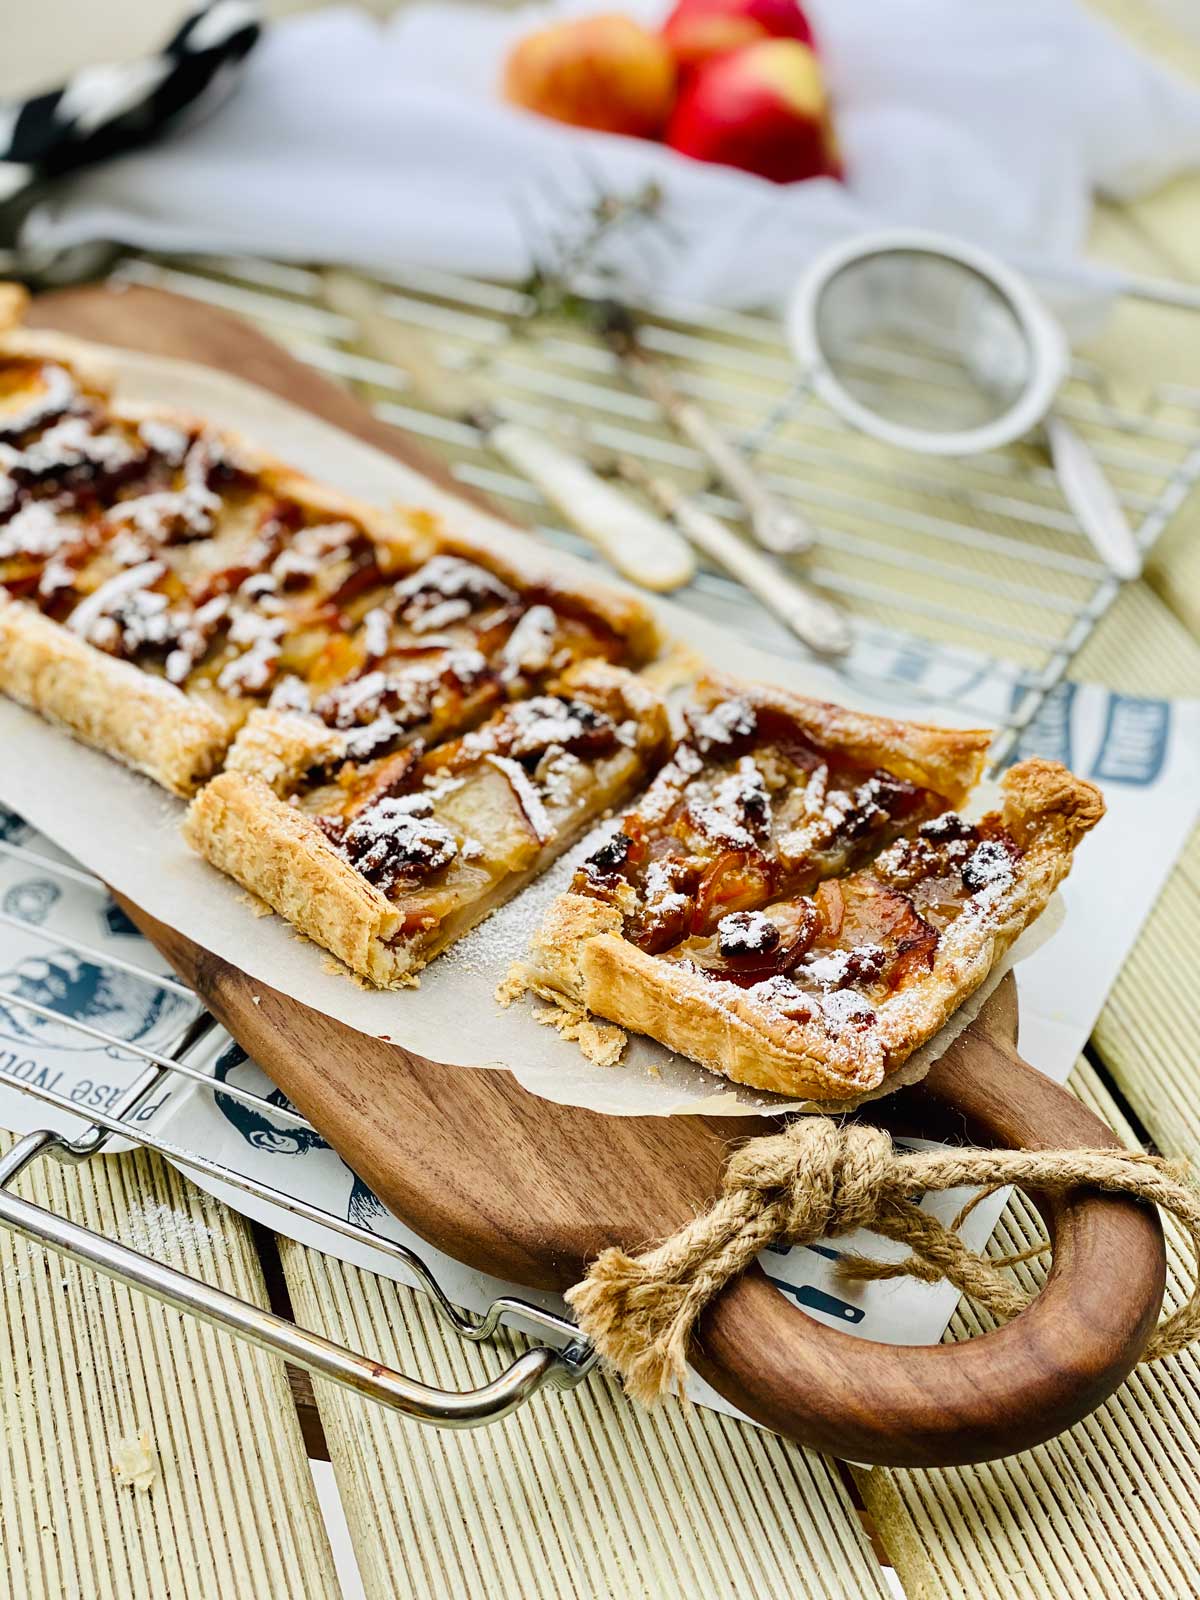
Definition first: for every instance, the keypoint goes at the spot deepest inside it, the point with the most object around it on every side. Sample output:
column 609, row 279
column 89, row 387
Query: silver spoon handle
column 775, row 526
column 814, row 621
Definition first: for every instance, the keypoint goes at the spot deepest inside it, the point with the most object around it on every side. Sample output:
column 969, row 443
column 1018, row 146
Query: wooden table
column 585, row 1497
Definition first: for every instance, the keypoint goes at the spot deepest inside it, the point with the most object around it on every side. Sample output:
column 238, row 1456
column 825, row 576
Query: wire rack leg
column 535, row 1370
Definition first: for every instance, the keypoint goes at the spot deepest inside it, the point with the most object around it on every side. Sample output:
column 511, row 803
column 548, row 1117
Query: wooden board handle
column 945, row 1405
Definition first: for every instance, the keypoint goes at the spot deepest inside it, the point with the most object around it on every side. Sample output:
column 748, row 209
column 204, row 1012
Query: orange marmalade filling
column 760, row 860
column 154, row 543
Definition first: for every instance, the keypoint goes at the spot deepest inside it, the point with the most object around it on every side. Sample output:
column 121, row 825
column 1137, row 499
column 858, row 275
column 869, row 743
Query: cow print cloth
column 106, row 110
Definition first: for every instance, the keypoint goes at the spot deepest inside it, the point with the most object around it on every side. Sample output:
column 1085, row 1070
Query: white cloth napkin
column 386, row 145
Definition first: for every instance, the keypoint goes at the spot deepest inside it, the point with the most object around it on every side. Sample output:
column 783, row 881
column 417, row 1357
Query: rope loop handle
column 818, row 1178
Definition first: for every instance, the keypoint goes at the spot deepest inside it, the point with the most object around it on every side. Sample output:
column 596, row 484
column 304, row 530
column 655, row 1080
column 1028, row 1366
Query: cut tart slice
column 160, row 580
column 387, row 861
column 440, row 649
column 853, row 911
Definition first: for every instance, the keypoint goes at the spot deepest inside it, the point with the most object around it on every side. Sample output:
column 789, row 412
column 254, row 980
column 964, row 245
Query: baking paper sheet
column 126, row 830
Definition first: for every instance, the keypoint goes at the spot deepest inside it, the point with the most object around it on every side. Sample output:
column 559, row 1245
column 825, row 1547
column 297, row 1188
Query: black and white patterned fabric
column 106, row 110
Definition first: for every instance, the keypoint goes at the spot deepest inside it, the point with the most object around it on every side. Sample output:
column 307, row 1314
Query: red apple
column 601, row 72
column 763, row 109
column 698, row 30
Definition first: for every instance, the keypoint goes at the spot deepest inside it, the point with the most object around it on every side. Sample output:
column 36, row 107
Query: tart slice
column 160, row 581
column 435, row 653
column 385, row 862
column 797, row 902
column 157, row 576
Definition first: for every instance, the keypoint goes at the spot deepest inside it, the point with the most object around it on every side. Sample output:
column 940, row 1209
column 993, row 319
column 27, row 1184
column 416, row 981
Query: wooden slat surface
column 85, row 1362
column 1106, row 1510
column 579, row 1495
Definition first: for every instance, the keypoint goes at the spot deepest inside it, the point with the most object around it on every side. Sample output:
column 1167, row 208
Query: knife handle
column 814, row 621
column 642, row 546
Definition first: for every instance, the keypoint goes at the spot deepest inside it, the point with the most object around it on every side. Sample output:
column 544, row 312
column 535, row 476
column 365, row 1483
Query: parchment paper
column 125, row 829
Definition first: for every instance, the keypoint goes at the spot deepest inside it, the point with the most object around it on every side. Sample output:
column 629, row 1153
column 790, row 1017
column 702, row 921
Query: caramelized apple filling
column 438, row 651
column 748, row 811
column 154, row 542
column 440, row 827
column 860, row 937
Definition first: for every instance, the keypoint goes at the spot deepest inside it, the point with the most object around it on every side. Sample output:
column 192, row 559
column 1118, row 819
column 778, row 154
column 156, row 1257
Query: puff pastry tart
column 387, row 859
column 160, row 582
column 797, row 901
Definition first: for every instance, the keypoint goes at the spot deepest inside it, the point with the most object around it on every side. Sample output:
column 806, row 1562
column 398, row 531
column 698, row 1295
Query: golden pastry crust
column 281, row 746
column 90, row 365
column 144, row 721
column 244, row 826
column 14, row 302
column 239, row 825
column 947, row 760
column 580, row 952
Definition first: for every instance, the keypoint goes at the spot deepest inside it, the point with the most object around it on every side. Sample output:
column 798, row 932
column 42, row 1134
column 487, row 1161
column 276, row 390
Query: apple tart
column 162, row 585
column 386, row 859
column 797, row 901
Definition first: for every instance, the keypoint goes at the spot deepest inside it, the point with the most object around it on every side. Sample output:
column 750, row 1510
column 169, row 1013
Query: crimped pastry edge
column 947, row 760
column 240, row 826
column 579, row 951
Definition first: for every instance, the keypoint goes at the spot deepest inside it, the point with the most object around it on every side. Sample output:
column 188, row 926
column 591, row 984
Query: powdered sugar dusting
column 661, row 897
column 830, row 969
column 530, row 645
column 988, row 874
column 90, row 616
column 58, row 394
column 723, row 723
column 35, row 531
column 843, row 1008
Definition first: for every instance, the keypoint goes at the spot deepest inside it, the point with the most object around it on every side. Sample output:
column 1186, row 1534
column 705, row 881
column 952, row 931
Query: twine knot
column 819, row 1178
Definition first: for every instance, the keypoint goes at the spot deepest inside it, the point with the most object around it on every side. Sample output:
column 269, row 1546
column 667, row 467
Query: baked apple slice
column 831, row 929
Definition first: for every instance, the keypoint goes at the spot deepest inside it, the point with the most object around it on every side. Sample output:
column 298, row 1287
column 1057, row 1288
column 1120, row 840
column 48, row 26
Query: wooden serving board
column 530, row 1191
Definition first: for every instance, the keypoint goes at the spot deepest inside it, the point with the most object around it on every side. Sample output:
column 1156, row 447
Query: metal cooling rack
column 540, row 1367
column 965, row 571
column 982, row 552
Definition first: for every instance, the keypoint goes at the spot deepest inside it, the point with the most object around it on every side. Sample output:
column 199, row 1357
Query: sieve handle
column 1093, row 500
